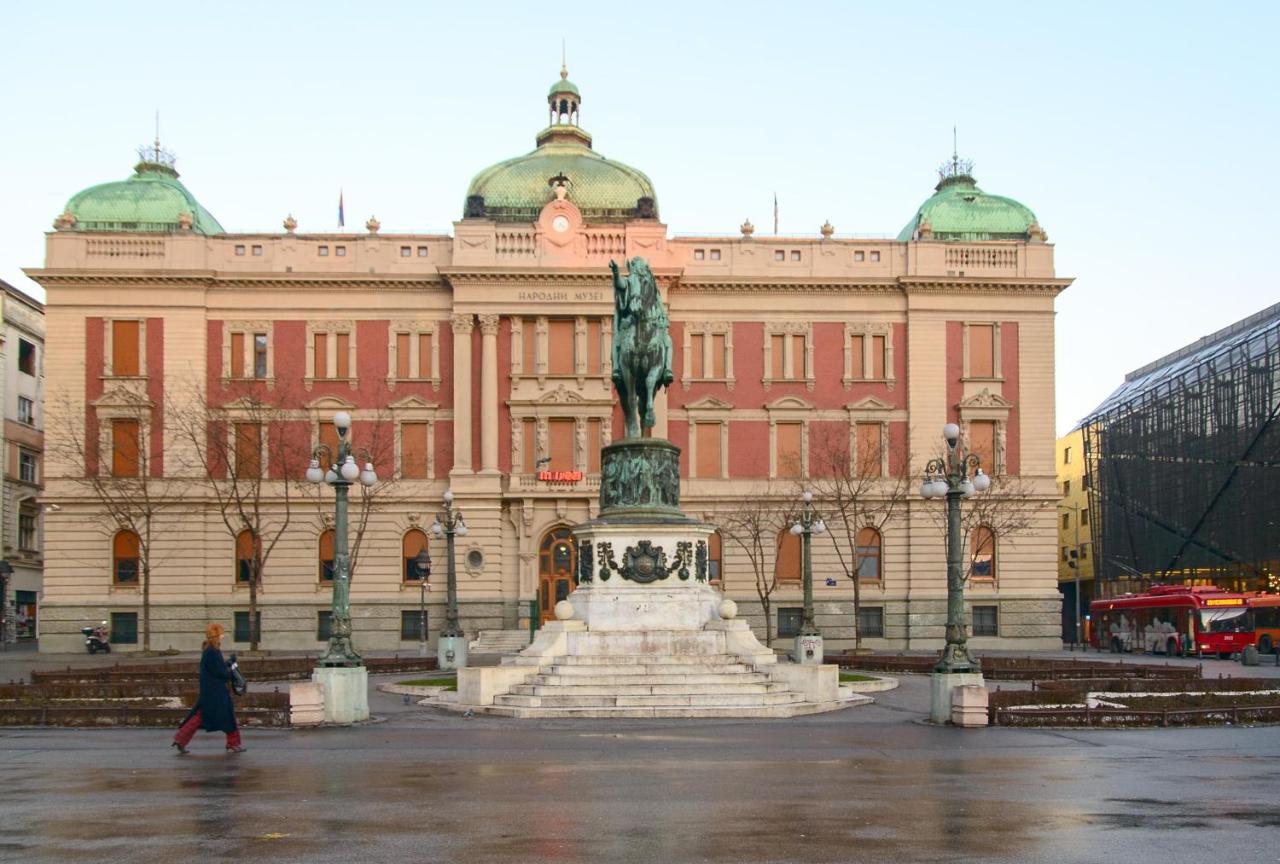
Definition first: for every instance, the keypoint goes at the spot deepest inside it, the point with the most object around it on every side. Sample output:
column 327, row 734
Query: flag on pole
column 341, row 216
column 775, row 212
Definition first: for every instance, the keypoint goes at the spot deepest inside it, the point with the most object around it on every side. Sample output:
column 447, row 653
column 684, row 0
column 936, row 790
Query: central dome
column 517, row 189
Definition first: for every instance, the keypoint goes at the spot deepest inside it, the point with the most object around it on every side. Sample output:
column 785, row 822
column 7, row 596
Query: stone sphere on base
column 728, row 609
column 564, row 610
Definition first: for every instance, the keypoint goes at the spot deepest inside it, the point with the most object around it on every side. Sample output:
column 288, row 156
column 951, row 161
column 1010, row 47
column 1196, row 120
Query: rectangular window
column 124, row 628
column 797, row 356
column 982, row 351
column 788, row 455
column 699, row 254
column 593, row 445
column 877, row 357
column 402, row 355
column 425, row 369
column 986, row 620
column 237, row 355
column 28, row 465
column 329, row 439
column 560, row 338
column 125, row 348
column 26, row 411
column 324, row 625
column 324, row 251
column 790, row 619
column 696, row 342
column 529, row 346
column 708, row 443
column 257, row 251
column 320, row 342
column 595, row 345
column 344, row 357
column 239, row 249
column 1066, row 520
column 859, row 256
column 259, row 355
column 27, row 531
column 422, row 251
column 715, row 254
column 241, row 633
column 248, row 443
column 871, row 622
column 406, row 251
column 1066, row 455
column 795, row 254
column 982, row 443
column 869, row 443
column 340, row 251
column 779, row 255
column 875, row 256
column 412, row 623
column 1084, row 516
column 1065, row 555
column 529, row 442
column 413, row 451
column 857, row 357
column 125, row 448
column 1066, row 487
column 777, row 351
column 26, row 357
column 719, row 355
column 561, row 445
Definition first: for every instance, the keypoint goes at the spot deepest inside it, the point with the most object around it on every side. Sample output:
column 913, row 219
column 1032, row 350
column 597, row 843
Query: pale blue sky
column 1140, row 134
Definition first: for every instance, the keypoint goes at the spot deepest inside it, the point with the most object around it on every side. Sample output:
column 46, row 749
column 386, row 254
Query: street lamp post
column 808, row 648
column 451, row 647
column 949, row 477
column 1074, row 563
column 341, row 671
column 422, row 564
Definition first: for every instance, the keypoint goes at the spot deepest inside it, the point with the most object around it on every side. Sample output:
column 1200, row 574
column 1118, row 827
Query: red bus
column 1266, row 621
column 1173, row 620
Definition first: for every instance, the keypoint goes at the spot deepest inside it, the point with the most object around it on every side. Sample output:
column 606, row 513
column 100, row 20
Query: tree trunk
column 146, row 592
column 857, row 607
column 253, row 603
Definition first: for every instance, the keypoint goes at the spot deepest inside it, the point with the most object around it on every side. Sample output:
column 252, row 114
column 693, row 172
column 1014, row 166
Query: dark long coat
column 214, row 701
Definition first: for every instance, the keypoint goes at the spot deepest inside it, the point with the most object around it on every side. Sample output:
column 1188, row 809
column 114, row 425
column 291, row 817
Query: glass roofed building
column 1183, row 466
column 478, row 361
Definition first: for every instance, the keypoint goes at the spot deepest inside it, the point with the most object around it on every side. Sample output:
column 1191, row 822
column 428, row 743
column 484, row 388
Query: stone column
column 489, row 394
column 463, row 324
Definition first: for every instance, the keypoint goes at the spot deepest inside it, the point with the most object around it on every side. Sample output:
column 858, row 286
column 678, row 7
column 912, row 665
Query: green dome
column 152, row 200
column 564, row 86
column 959, row 210
column 516, row 190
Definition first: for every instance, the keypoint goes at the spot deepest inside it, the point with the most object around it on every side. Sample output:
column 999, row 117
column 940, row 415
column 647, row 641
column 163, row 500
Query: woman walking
column 212, row 711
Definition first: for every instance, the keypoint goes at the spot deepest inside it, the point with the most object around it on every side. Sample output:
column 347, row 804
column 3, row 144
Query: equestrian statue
column 641, row 344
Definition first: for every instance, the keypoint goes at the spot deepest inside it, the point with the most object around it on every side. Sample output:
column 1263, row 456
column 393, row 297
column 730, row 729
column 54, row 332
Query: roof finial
column 955, row 166
column 157, row 142
column 955, row 149
column 564, row 67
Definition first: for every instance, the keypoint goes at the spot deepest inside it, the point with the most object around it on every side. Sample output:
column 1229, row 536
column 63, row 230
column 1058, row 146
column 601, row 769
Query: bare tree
column 250, row 457
column 856, row 491
column 120, row 478
column 755, row 526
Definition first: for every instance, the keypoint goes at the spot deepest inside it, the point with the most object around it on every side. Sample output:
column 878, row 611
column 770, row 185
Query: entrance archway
column 557, row 566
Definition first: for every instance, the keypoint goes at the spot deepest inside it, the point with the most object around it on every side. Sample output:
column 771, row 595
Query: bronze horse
column 641, row 344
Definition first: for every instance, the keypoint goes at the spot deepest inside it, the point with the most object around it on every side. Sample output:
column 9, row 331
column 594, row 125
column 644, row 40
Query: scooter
column 95, row 638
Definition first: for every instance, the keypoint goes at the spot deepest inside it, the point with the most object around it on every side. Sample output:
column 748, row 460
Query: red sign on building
column 560, row 476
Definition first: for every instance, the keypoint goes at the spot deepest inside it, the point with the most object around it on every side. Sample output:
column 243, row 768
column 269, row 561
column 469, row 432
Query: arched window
column 326, row 554
column 715, row 547
column 787, row 562
column 869, row 549
column 983, row 562
column 126, row 555
column 414, row 541
column 244, row 555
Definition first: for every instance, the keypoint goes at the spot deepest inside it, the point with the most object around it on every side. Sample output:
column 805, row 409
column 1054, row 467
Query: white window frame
column 707, row 329
column 866, row 330
column 789, row 328
column 414, row 329
column 331, row 329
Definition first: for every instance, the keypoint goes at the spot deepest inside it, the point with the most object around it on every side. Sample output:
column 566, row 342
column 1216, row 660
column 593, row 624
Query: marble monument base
column 346, row 693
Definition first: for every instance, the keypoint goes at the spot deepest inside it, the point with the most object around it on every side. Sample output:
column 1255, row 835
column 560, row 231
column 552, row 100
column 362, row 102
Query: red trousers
column 188, row 730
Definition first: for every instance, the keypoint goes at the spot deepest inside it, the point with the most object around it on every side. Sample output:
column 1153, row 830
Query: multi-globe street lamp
column 809, row 641
column 422, row 566
column 451, row 646
column 342, row 473
column 949, row 477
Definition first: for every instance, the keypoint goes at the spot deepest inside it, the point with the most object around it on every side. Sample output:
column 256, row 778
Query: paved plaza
column 866, row 784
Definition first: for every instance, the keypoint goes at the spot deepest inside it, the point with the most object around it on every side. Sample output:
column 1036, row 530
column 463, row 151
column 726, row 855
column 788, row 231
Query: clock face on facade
column 560, row 224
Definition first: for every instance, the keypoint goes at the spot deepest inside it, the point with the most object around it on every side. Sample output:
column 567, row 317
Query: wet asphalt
column 865, row 784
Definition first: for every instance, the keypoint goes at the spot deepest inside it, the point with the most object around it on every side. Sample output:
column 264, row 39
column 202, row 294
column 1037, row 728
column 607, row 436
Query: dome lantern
column 563, row 99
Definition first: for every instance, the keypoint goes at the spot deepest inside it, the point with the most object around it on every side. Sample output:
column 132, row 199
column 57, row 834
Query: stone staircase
column 651, row 685
column 500, row 642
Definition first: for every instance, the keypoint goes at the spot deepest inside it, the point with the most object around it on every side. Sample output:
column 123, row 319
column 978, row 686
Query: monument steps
column 697, row 700
column 500, row 642
column 549, row 677
column 545, row 688
column 688, row 667
column 671, row 712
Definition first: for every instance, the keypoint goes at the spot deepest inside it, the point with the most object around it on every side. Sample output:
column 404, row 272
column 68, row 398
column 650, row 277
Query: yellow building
column 479, row 361
column 1075, row 543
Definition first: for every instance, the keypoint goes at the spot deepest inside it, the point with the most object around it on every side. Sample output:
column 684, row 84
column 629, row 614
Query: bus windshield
column 1235, row 620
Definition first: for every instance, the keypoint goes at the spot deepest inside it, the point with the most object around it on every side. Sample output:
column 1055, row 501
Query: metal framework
column 1182, row 465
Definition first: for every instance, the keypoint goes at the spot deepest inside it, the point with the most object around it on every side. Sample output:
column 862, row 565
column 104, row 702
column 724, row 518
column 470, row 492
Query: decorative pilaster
column 489, row 393
column 463, row 324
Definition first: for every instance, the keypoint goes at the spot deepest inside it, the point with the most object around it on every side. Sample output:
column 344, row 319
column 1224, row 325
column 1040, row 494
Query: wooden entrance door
column 557, row 561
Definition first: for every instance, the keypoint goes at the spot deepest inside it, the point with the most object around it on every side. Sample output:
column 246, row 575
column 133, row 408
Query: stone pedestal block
column 807, row 650
column 940, row 686
column 306, row 704
column 346, row 693
column 969, row 706
column 451, row 652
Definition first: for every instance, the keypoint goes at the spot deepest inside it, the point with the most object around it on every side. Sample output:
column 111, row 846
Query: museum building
column 480, row 363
